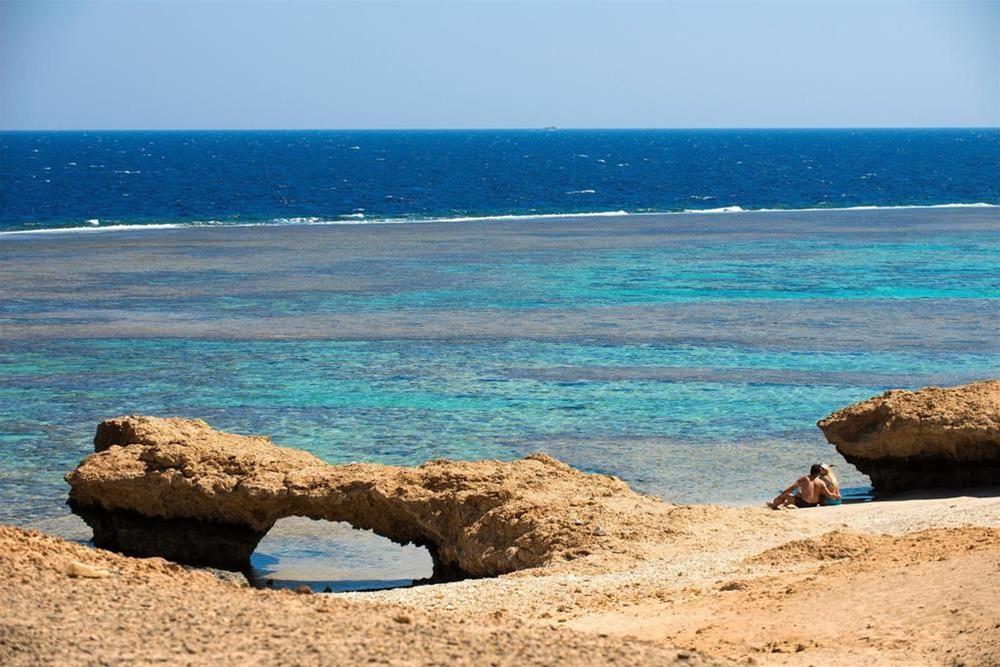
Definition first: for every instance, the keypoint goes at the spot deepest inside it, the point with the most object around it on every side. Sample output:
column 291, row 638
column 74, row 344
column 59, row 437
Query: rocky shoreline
column 557, row 566
column 179, row 489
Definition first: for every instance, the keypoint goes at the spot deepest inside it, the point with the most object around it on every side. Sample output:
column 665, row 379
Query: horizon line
column 550, row 128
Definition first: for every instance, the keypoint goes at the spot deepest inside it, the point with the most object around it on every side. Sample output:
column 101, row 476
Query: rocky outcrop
column 180, row 489
column 934, row 437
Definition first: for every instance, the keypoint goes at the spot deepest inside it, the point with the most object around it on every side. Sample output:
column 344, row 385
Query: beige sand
column 894, row 583
column 881, row 602
column 148, row 611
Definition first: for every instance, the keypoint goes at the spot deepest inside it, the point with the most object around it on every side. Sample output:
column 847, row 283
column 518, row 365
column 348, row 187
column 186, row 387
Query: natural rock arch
column 178, row 488
column 336, row 557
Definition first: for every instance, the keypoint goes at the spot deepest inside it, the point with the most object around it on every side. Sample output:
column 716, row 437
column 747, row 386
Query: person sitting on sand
column 810, row 489
column 832, row 494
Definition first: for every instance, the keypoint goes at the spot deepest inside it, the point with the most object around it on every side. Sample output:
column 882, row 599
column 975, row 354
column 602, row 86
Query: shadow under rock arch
column 235, row 548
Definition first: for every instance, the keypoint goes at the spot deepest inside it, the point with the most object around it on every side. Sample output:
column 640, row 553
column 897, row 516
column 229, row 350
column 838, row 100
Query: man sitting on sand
column 811, row 490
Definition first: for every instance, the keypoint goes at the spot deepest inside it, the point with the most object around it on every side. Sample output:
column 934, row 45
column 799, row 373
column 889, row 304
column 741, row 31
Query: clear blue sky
column 148, row 64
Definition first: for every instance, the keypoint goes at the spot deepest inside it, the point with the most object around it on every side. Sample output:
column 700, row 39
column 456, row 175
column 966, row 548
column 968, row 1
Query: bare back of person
column 811, row 491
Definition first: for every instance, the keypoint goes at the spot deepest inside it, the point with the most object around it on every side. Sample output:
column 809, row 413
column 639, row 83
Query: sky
column 187, row 65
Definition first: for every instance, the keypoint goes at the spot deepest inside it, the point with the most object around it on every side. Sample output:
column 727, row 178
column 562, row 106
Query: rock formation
column 934, row 437
column 178, row 488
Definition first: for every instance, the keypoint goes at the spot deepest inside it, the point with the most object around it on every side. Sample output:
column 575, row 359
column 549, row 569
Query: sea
column 676, row 308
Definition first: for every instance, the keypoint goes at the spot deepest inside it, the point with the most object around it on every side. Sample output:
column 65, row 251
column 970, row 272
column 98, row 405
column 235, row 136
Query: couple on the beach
column 819, row 487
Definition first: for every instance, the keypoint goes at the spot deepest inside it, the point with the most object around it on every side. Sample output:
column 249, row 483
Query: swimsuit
column 801, row 503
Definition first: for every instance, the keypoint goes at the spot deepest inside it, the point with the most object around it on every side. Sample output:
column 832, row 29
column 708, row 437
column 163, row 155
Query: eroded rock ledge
column 934, row 437
column 180, row 489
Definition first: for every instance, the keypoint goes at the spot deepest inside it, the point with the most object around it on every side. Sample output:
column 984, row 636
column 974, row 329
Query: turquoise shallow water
column 665, row 418
column 689, row 355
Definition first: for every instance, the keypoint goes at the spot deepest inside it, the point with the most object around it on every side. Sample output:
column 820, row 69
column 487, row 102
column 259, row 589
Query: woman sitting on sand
column 832, row 494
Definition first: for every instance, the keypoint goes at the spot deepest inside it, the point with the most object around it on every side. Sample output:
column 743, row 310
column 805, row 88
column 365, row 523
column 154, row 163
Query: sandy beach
column 904, row 582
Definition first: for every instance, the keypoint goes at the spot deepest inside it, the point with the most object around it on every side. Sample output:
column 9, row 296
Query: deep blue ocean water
column 67, row 179
column 689, row 354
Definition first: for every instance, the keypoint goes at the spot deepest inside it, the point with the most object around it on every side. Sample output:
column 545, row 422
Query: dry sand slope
column 901, row 583
column 912, row 582
column 148, row 611
column 926, row 598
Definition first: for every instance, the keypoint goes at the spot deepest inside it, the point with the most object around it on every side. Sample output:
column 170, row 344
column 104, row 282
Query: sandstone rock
column 82, row 570
column 934, row 437
column 179, row 489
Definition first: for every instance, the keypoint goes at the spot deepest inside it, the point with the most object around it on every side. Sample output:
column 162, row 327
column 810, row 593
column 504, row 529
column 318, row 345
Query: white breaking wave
column 359, row 219
column 740, row 209
column 721, row 209
column 581, row 192
column 311, row 220
column 93, row 229
column 875, row 208
column 529, row 216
